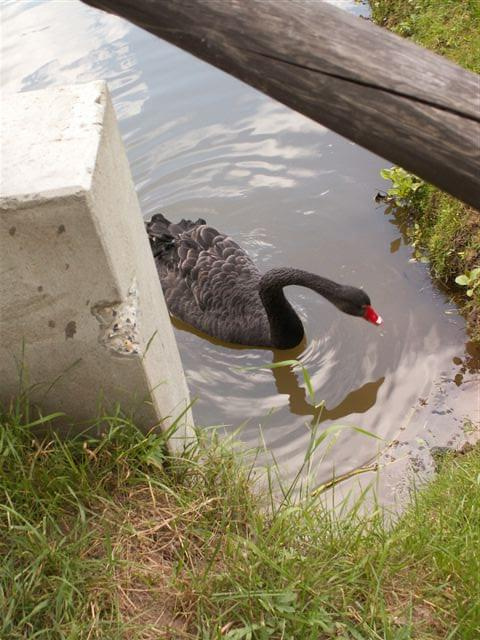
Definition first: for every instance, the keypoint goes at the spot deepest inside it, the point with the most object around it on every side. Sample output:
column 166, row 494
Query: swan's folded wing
column 206, row 275
column 223, row 275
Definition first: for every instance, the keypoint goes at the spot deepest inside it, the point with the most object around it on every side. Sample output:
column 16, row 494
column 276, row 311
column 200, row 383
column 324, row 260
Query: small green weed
column 470, row 279
column 406, row 187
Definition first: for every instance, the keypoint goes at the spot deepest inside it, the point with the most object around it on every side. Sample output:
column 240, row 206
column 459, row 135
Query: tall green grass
column 113, row 537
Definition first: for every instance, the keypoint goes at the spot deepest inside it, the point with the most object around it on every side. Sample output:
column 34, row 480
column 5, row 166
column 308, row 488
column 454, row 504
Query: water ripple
column 200, row 143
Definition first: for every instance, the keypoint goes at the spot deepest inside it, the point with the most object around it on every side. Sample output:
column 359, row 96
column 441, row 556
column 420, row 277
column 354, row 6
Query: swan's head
column 356, row 302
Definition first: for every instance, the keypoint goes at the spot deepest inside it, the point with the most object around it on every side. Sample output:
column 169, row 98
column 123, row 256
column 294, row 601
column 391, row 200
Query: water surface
column 292, row 193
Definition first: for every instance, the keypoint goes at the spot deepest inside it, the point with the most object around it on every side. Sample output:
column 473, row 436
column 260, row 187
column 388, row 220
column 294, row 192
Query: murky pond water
column 200, row 143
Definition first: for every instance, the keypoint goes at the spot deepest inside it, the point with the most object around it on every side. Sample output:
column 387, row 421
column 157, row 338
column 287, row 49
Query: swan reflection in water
column 212, row 284
column 287, row 382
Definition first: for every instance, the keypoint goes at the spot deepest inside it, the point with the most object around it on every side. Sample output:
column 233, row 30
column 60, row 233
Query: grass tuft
column 111, row 537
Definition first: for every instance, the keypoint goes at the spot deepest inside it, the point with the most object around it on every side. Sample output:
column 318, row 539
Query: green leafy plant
column 405, row 186
column 470, row 279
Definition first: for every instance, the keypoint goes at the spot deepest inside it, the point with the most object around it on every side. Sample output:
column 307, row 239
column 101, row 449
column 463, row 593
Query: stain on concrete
column 12, row 231
column 51, row 324
column 70, row 329
column 119, row 323
column 61, row 229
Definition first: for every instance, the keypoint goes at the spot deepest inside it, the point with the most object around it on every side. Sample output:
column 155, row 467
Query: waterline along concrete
column 84, row 325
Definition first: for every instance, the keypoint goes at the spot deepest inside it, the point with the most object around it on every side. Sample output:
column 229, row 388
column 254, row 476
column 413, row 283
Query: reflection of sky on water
column 69, row 45
column 272, row 118
column 292, row 193
column 357, row 7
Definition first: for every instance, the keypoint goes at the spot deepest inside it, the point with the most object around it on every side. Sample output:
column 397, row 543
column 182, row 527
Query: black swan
column 212, row 284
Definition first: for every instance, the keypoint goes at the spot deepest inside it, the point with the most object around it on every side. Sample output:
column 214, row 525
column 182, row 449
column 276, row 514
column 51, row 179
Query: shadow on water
column 287, row 382
column 401, row 218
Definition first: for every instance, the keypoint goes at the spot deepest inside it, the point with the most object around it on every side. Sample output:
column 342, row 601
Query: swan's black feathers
column 208, row 280
column 211, row 283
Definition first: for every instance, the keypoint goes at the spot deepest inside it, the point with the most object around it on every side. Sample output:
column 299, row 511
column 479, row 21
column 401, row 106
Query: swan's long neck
column 286, row 328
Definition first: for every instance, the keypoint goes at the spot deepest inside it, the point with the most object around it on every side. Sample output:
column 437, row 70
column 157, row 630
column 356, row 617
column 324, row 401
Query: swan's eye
column 371, row 315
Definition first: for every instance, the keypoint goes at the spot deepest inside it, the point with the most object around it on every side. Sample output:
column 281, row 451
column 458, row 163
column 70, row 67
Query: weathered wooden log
column 393, row 97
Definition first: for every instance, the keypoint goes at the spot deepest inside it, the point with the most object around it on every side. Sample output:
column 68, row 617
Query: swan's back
column 209, row 281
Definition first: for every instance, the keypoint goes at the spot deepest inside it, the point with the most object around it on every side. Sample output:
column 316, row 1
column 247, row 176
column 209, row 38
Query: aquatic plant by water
column 406, row 187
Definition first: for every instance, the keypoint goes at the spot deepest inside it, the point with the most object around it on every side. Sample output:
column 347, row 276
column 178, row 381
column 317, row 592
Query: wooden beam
column 393, row 97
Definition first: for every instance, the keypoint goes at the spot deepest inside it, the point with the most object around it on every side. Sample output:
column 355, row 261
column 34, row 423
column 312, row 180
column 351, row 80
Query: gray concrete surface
column 84, row 325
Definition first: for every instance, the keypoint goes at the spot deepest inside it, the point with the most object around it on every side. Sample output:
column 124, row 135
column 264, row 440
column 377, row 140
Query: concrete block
column 82, row 310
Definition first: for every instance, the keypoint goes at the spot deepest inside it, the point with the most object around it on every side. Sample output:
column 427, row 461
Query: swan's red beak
column 371, row 315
